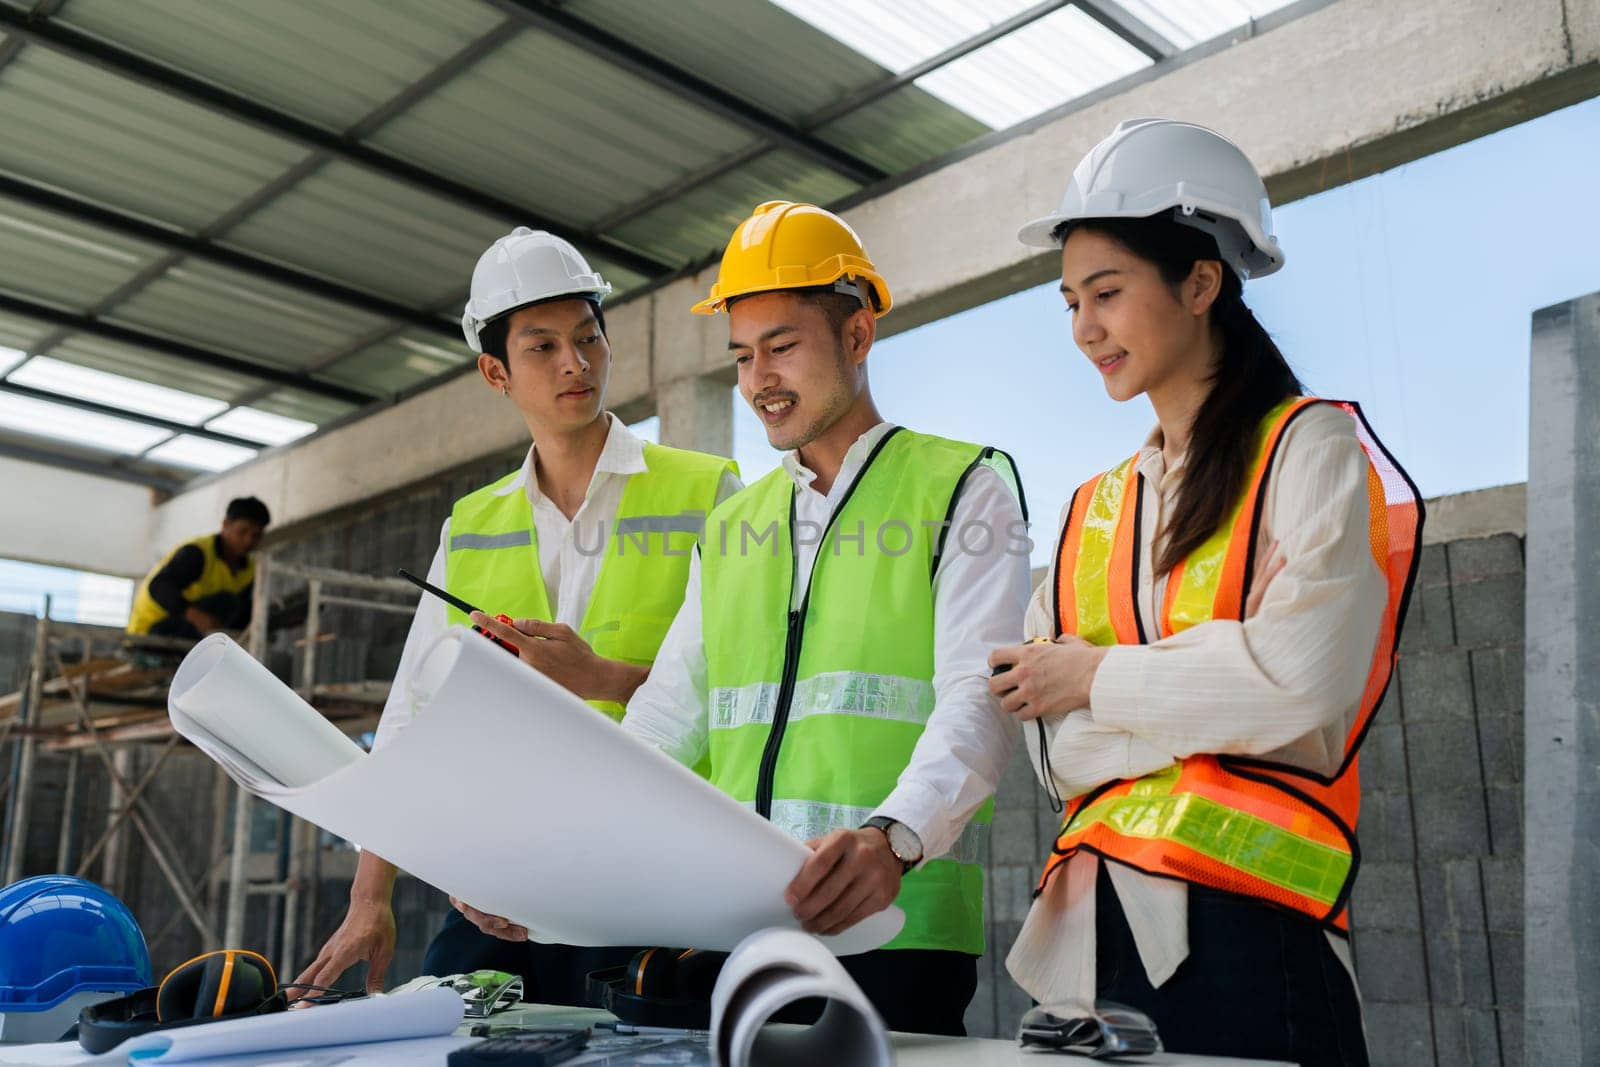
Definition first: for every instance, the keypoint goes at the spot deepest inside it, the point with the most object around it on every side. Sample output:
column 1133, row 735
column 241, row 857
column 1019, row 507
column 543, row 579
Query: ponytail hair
column 1251, row 377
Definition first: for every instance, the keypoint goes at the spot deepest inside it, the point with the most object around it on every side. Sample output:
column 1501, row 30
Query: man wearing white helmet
column 586, row 545
column 1219, row 623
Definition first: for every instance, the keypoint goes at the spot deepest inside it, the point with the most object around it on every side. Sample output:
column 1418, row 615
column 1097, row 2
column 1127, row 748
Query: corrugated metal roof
column 233, row 312
column 700, row 220
column 146, row 365
column 544, row 123
column 398, row 363
column 332, row 63
column 905, row 129
column 71, row 125
column 741, row 46
column 363, row 228
column 293, row 404
column 340, row 256
column 62, row 262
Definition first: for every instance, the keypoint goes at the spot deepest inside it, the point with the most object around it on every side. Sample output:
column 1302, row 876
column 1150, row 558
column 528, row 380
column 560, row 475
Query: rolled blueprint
column 511, row 794
column 773, row 969
column 264, row 723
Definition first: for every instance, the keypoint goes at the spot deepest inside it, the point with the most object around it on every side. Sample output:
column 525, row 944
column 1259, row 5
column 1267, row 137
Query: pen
column 462, row 606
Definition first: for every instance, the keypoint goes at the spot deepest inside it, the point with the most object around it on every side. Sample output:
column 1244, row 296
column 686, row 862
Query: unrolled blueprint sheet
column 508, row 792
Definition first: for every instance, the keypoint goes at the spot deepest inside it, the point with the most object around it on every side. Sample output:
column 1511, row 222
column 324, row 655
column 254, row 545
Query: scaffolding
column 103, row 703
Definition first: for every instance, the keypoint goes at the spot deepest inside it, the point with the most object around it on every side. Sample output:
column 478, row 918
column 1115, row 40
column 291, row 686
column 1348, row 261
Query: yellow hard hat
column 784, row 245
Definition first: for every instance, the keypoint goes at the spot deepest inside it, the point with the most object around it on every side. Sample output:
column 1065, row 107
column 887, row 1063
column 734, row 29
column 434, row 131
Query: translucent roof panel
column 198, row 453
column 69, row 380
column 1188, row 22
column 902, row 33
column 1028, row 71
column 261, row 426
column 63, row 262
column 235, row 312
column 547, row 124
column 332, row 63
column 40, row 418
column 398, row 363
column 1031, row 70
column 147, row 365
column 77, row 127
column 699, row 221
column 382, row 235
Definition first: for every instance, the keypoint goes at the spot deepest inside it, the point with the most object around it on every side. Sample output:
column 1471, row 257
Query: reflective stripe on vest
column 493, row 555
column 815, row 710
column 215, row 577
column 1276, row 833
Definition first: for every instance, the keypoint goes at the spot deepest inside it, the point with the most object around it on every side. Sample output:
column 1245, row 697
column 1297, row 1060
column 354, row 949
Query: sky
column 1409, row 292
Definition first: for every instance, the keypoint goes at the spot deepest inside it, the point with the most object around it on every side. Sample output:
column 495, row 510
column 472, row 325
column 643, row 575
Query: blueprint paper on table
column 402, row 1016
column 768, row 972
column 511, row 794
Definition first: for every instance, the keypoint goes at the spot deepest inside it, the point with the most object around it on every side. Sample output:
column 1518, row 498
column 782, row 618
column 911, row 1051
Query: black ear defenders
column 672, row 974
column 215, row 984
column 659, row 987
column 227, row 984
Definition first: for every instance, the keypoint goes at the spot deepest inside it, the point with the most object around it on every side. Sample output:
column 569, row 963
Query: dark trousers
column 919, row 991
column 1260, row 982
column 229, row 609
column 551, row 974
column 915, row 990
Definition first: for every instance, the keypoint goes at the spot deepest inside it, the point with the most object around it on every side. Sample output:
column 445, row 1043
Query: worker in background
column 542, row 544
column 830, row 654
column 1224, row 608
column 205, row 584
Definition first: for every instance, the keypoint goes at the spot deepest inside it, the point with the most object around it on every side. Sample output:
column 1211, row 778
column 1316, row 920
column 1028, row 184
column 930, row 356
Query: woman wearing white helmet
column 1218, row 627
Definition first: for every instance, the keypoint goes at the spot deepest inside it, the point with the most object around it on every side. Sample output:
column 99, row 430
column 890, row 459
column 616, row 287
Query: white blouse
column 1285, row 684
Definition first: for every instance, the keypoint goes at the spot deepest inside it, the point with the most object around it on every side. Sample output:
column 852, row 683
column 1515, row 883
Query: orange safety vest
column 1247, row 826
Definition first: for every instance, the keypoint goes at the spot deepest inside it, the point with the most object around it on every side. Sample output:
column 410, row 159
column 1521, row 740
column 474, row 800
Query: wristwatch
column 903, row 840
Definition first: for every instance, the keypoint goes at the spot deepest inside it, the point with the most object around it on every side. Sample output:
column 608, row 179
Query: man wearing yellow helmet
column 830, row 655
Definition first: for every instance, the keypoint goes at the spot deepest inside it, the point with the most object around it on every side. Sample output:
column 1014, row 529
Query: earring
column 505, row 390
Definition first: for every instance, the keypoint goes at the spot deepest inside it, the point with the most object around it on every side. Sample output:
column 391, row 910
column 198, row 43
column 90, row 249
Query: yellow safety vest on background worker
column 492, row 559
column 815, row 709
column 216, row 577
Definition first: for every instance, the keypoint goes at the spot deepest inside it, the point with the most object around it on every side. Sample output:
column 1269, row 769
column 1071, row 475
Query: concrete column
column 696, row 413
column 1562, row 786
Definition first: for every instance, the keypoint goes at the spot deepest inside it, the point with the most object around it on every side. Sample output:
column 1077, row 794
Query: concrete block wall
column 1437, row 910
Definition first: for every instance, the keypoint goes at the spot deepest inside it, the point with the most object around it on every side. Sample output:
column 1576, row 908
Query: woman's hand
column 1045, row 678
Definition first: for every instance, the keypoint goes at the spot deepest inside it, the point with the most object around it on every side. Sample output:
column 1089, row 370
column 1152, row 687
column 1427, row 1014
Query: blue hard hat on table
column 61, row 935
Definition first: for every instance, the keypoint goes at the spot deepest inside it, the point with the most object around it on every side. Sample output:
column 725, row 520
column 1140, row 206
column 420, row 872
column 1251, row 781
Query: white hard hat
column 524, row 267
column 1148, row 166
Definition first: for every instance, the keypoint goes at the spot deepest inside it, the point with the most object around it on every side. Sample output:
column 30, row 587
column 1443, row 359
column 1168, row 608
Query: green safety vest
column 492, row 559
column 814, row 711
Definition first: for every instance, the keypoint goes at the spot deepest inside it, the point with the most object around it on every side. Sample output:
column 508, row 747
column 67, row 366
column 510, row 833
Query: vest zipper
column 768, row 769
column 780, row 717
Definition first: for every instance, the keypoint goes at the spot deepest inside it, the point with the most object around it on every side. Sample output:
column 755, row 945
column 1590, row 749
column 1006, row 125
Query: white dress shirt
column 1284, row 685
column 979, row 599
column 570, row 554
